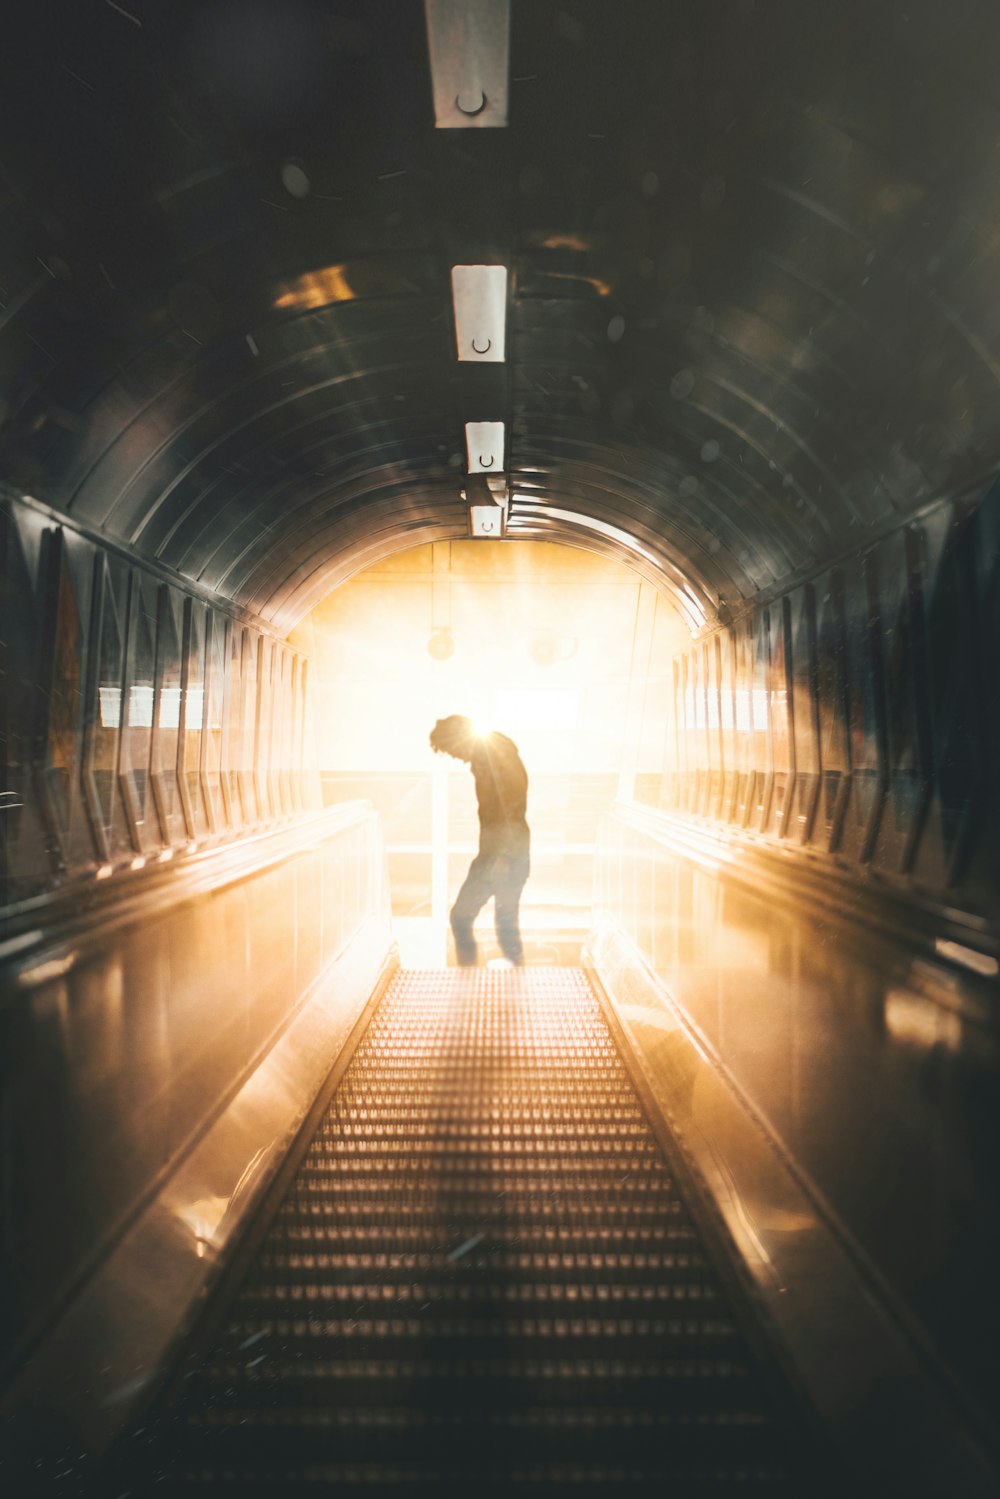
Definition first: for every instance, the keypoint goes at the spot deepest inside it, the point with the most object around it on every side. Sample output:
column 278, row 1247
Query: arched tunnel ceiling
column 754, row 268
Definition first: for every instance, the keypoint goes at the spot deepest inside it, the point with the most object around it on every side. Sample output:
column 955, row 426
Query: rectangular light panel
column 484, row 445
column 479, row 293
column 469, row 44
column 487, row 521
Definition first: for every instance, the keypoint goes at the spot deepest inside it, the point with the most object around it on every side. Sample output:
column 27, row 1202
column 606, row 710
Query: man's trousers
column 500, row 870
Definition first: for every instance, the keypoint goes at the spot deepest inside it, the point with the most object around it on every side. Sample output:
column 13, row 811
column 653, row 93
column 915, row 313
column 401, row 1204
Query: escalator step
column 483, row 1276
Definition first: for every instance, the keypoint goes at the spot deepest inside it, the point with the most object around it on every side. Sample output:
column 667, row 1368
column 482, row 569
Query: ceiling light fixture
column 469, row 45
column 487, row 501
column 479, row 295
column 441, row 644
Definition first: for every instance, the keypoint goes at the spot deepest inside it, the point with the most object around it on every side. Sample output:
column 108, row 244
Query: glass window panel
column 23, row 840
column 727, row 651
column 862, row 673
column 214, row 783
column 778, row 693
column 957, row 644
column 265, row 716
column 680, row 725
column 697, row 737
column 286, row 729
column 693, row 732
column 781, row 739
column 713, row 716
column 295, row 737
column 63, row 696
column 801, row 628
column 137, row 713
column 248, row 738
column 899, row 694
column 743, row 729
column 704, row 727
column 104, row 718
column 905, row 778
column 761, row 720
column 233, row 733
column 167, row 717
column 831, row 690
column 804, row 684
column 192, row 719
column 280, row 727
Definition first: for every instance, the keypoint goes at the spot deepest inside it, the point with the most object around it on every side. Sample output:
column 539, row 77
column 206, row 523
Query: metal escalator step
column 568, row 1295
column 534, row 1238
column 483, row 1276
column 631, row 1268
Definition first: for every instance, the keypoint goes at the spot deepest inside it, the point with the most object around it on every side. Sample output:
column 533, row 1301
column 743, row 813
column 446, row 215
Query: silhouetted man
column 502, row 864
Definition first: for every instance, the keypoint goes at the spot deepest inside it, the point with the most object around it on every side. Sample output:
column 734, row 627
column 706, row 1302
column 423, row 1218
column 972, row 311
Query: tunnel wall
column 138, row 716
column 857, row 715
column 858, row 1034
column 819, row 898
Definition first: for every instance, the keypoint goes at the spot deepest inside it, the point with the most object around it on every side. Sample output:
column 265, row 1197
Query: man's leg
column 475, row 892
column 509, row 878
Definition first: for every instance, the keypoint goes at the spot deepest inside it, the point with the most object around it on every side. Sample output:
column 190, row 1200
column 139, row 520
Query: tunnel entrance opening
column 566, row 652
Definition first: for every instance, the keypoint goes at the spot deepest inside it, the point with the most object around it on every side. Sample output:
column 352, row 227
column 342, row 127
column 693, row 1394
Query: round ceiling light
column 441, row 645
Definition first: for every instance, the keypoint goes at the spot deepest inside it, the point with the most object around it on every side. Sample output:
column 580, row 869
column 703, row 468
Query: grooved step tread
column 483, row 1276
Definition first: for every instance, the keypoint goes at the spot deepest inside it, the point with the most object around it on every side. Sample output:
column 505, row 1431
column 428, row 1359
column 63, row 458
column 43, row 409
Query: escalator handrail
column 51, row 932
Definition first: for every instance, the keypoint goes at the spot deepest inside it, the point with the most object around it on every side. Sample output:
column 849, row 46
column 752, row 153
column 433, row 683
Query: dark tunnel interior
column 707, row 288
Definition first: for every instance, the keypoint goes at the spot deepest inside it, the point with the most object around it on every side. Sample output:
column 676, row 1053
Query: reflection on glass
column 800, row 622
column 743, row 725
column 951, row 687
column 192, row 720
column 23, row 846
column 137, row 721
column 248, row 736
column 280, row 713
column 780, row 735
column 290, row 777
column 102, row 748
column 213, row 728
column 281, row 779
column 831, row 693
column 727, row 645
column 264, row 725
column 233, row 729
column 64, row 698
column 167, row 719
column 292, row 736
column 899, row 592
column 760, row 709
column 714, row 714
column 861, row 677
column 679, row 735
column 806, row 741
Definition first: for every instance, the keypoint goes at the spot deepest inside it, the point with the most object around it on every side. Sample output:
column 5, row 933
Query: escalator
column 483, row 1276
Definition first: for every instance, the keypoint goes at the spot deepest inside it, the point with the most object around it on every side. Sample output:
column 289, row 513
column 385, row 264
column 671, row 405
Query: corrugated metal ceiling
column 753, row 253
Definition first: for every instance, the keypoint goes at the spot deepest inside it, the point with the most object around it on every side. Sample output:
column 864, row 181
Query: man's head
column 454, row 736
